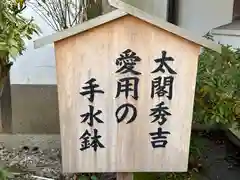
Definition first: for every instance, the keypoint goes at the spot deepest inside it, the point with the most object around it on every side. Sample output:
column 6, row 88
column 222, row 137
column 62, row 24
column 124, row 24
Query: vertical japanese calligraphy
column 127, row 85
column 127, row 62
column 126, row 108
column 90, row 89
column 89, row 140
column 91, row 115
column 161, row 86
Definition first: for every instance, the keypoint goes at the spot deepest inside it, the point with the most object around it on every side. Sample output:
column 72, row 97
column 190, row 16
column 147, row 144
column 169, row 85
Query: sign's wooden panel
column 126, row 91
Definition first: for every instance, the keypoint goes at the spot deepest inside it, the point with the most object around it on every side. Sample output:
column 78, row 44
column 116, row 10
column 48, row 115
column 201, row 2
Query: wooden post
column 124, row 176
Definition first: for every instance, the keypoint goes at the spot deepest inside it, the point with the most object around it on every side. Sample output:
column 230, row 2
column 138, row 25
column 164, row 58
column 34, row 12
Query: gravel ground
column 27, row 163
column 24, row 163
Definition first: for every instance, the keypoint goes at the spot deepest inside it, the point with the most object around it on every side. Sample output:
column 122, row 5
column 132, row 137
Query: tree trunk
column 6, row 106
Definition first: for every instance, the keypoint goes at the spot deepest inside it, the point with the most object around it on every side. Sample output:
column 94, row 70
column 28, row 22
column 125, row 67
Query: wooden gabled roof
column 123, row 9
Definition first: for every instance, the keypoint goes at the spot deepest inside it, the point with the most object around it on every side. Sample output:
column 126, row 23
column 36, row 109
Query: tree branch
column 43, row 16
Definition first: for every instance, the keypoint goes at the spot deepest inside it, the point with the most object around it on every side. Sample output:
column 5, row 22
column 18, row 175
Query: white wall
column 200, row 16
column 36, row 66
column 234, row 41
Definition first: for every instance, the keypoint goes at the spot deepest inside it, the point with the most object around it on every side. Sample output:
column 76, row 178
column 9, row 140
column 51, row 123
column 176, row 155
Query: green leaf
column 3, row 174
column 21, row 2
column 221, row 110
column 94, row 178
column 14, row 52
column 217, row 86
column 217, row 119
column 145, row 176
column 83, row 178
column 3, row 46
column 12, row 42
column 14, row 28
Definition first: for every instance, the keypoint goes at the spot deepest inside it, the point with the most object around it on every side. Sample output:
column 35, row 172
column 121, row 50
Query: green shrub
column 14, row 29
column 3, row 174
column 217, row 97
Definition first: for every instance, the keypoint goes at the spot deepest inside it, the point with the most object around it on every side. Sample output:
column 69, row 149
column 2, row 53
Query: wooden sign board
column 126, row 83
column 126, row 92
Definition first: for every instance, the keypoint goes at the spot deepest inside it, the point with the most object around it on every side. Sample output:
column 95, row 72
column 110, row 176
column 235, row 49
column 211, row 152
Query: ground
column 220, row 160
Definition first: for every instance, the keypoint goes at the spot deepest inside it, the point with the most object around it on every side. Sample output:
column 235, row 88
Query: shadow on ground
column 219, row 159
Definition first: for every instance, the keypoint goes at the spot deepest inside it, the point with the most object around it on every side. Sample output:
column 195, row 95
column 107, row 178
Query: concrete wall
column 33, row 76
column 34, row 109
